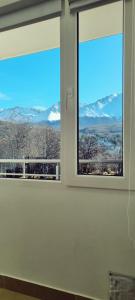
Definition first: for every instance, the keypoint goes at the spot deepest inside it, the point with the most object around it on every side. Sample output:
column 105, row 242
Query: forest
column 101, row 145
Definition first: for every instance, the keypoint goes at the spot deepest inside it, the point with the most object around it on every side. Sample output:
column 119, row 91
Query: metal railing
column 7, row 171
column 103, row 167
column 24, row 163
column 104, row 161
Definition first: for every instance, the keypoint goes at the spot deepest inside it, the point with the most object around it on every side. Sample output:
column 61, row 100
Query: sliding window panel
column 100, row 92
column 101, row 98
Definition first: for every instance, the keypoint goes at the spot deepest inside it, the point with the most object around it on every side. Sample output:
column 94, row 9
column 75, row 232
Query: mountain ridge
column 104, row 110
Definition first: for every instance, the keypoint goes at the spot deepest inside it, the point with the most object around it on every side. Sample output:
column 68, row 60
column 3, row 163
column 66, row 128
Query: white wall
column 67, row 238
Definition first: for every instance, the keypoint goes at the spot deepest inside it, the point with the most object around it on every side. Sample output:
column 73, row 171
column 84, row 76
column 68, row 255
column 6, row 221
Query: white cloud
column 4, row 97
column 54, row 116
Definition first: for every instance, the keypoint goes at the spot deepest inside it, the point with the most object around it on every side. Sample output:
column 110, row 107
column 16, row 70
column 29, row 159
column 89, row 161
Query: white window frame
column 15, row 14
column 69, row 104
column 19, row 16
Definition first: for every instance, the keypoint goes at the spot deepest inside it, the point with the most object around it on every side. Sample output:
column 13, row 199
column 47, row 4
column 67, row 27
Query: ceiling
column 98, row 22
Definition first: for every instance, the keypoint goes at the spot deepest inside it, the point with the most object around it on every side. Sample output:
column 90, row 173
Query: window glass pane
column 30, row 107
column 100, row 92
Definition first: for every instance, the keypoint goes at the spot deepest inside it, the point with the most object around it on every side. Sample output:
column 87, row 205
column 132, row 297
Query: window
column 99, row 96
column 67, row 92
column 100, row 92
column 30, row 103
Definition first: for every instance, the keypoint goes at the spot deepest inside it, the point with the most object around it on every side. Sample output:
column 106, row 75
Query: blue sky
column 34, row 80
column 30, row 80
column 100, row 68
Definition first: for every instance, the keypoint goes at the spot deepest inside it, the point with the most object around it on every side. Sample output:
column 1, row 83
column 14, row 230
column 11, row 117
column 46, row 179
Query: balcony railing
column 103, row 164
column 7, row 170
column 24, row 162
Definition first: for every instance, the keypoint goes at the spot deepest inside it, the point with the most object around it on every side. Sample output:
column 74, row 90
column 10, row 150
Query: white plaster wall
column 67, row 238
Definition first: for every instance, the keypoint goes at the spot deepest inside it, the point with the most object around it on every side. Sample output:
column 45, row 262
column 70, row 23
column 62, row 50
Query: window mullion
column 68, row 90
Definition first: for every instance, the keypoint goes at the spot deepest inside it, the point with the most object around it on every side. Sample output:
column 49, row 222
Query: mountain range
column 103, row 111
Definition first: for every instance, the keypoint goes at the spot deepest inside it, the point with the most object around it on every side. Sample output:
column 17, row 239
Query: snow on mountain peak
column 115, row 94
column 107, row 107
column 40, row 108
column 100, row 105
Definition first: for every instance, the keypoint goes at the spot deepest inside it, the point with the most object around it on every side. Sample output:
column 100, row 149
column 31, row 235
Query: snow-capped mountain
column 110, row 107
column 102, row 111
column 30, row 115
